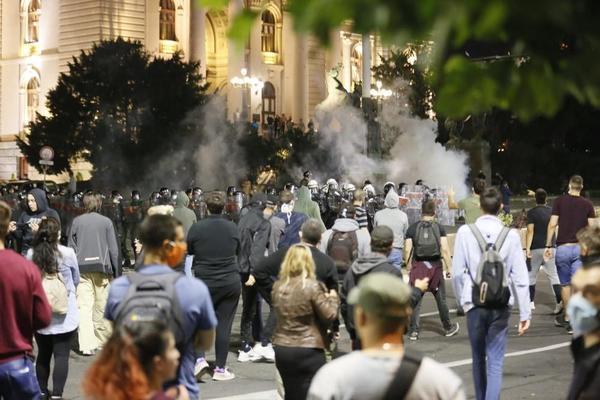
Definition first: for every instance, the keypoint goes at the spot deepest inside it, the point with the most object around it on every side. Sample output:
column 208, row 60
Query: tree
column 545, row 50
column 124, row 113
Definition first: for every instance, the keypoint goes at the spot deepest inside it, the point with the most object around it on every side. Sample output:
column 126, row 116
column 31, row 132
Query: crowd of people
column 149, row 286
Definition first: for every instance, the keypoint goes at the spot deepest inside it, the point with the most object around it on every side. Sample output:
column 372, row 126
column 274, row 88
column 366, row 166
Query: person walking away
column 157, row 292
column 305, row 204
column 58, row 263
column 134, row 214
column 506, row 195
column 384, row 368
column 470, row 205
column 215, row 244
column 28, row 222
column 396, row 219
column 92, row 236
column 254, row 232
column 360, row 212
column 304, row 311
column 25, row 309
column 570, row 214
column 489, row 273
column 427, row 245
column 535, row 241
column 145, row 352
column 187, row 217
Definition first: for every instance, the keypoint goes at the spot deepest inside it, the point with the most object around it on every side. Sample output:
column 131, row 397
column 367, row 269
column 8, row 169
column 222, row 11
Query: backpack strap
column 479, row 237
column 404, row 376
column 501, row 238
column 330, row 241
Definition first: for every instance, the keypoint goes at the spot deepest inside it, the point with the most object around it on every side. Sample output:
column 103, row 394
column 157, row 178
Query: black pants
column 440, row 299
column 225, row 301
column 297, row 366
column 59, row 346
column 251, row 323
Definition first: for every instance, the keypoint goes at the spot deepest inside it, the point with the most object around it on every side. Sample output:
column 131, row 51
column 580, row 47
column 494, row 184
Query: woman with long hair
column 58, row 262
column 135, row 363
column 304, row 312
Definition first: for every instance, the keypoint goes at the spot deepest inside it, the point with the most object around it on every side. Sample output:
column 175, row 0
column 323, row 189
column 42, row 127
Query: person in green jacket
column 306, row 205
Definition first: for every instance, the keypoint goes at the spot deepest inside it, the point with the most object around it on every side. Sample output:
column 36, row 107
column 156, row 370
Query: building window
column 33, row 22
column 167, row 20
column 33, row 99
column 268, row 32
column 268, row 102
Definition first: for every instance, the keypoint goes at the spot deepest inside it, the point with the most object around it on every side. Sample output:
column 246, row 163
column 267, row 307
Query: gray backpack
column 490, row 286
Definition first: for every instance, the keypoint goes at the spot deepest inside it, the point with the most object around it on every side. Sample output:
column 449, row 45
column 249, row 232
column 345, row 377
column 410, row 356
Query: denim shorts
column 568, row 261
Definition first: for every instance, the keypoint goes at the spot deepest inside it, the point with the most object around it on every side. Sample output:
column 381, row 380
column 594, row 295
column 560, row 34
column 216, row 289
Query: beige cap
column 382, row 294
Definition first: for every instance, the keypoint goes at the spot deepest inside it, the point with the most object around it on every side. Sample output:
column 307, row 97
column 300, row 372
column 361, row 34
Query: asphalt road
column 539, row 364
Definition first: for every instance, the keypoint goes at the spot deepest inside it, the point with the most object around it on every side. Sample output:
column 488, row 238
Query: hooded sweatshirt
column 394, row 218
column 304, row 204
column 348, row 225
column 185, row 215
column 29, row 217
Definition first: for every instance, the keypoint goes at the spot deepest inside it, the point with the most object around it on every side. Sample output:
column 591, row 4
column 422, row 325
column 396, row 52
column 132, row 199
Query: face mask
column 287, row 208
column 584, row 315
column 175, row 254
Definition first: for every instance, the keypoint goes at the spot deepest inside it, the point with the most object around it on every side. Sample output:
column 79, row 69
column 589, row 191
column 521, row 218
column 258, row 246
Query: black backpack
column 343, row 249
column 150, row 298
column 490, row 286
column 427, row 241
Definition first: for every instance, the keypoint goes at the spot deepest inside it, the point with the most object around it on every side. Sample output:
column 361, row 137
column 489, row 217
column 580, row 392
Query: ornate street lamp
column 246, row 83
column 380, row 93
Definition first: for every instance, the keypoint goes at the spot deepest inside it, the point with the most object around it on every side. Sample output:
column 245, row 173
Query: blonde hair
column 297, row 262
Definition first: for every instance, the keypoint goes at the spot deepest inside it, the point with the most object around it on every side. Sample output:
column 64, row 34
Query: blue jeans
column 395, row 257
column 568, row 261
column 488, row 333
column 18, row 380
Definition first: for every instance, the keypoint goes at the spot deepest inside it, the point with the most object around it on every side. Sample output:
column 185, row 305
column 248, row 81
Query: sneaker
column 532, row 306
column 414, row 336
column 568, row 328
column 248, row 356
column 201, row 368
column 87, row 353
column 558, row 309
column 223, row 374
column 265, row 352
column 559, row 321
column 460, row 312
column 452, row 331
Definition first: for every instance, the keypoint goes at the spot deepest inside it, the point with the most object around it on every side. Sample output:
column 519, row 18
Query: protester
column 506, row 195
column 254, row 232
column 92, row 236
column 57, row 262
column 144, row 353
column 584, row 310
column 25, row 310
column 293, row 220
column 304, row 203
column 589, row 241
column 570, row 213
column 396, row 219
column 427, row 245
column 304, row 310
column 183, row 213
column 360, row 212
column 277, row 224
column 164, row 247
column 487, row 323
column 470, row 205
column 535, row 242
column 215, row 244
column 381, row 313
column 29, row 221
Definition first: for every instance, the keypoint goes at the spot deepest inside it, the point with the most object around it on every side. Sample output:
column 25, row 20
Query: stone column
column 366, row 67
column 346, row 60
column 301, row 80
column 197, row 36
column 235, row 62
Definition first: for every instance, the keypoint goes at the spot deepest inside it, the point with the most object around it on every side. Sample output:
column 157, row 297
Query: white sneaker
column 558, row 309
column 201, row 368
column 223, row 374
column 532, row 306
column 265, row 352
column 248, row 356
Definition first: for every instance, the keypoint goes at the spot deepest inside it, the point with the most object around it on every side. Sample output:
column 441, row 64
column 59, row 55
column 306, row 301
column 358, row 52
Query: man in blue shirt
column 164, row 246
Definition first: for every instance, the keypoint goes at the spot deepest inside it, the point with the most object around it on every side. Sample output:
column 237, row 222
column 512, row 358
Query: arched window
column 167, row 20
column 33, row 22
column 33, row 99
column 268, row 32
column 268, row 102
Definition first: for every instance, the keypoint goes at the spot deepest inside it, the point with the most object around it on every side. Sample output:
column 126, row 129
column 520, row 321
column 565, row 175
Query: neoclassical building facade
column 39, row 37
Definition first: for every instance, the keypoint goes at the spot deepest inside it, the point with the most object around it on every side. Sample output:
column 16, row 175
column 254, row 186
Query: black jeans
column 251, row 323
column 59, row 346
column 440, row 299
column 225, row 301
column 297, row 367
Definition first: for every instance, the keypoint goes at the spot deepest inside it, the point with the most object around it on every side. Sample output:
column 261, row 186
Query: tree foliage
column 123, row 112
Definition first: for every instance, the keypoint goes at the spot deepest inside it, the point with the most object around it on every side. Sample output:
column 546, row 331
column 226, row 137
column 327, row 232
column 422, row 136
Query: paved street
column 538, row 365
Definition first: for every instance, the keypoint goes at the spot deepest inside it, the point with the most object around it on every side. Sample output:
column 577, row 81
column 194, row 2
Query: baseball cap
column 382, row 294
column 382, row 236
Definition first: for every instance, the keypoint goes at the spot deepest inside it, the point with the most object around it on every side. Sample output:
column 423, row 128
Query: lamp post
column 380, row 93
column 371, row 110
column 246, row 83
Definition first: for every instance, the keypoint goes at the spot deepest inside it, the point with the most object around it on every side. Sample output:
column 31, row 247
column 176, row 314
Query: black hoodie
column 23, row 232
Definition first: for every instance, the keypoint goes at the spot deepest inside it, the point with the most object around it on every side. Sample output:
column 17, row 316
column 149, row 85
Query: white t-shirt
column 361, row 375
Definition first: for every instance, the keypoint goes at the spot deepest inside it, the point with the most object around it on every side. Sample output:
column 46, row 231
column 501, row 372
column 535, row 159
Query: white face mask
column 287, row 208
